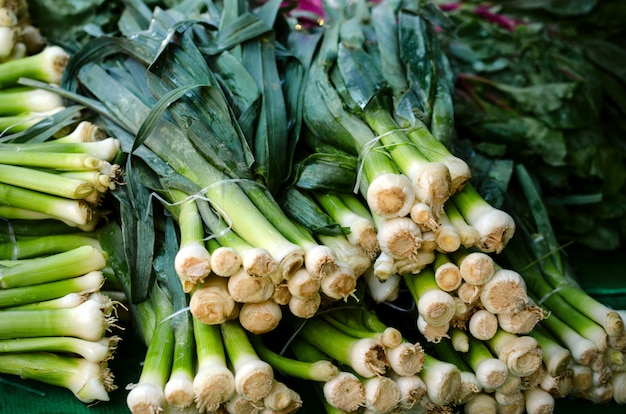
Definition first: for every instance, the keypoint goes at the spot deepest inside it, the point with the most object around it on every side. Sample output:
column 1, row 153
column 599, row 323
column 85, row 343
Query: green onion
column 253, row 376
column 447, row 274
column 320, row 370
column 76, row 212
column 93, row 351
column 178, row 390
column 47, row 66
column 256, row 261
column 521, row 354
column 193, row 261
column 88, row 381
column 105, row 149
column 495, row 227
column 214, row 382
column 147, row 395
column 442, row 379
column 31, row 247
column 86, row 321
column 490, row 371
column 89, row 282
column 85, row 131
column 362, row 231
column 366, row 356
column 382, row 394
column 302, row 284
column 245, row 288
column 14, row 101
column 44, row 182
column 225, row 261
column 304, row 308
column 436, row 306
column 55, row 160
column 70, row 300
column 260, row 317
column 483, row 325
column 390, row 337
column 71, row 263
column 555, row 356
column 431, row 180
column 22, row 122
column 343, row 391
column 482, row 403
column 504, row 292
column 212, row 303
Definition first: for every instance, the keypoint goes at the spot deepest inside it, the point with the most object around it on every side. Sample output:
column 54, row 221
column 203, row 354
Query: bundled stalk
column 55, row 329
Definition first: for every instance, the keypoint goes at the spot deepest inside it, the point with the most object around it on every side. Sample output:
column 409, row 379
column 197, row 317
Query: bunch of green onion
column 56, row 320
column 62, row 178
column 205, row 130
column 24, row 106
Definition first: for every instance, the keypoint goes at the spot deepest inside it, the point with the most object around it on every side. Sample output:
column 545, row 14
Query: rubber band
column 175, row 314
column 23, row 387
column 369, row 146
column 199, row 195
column 547, row 295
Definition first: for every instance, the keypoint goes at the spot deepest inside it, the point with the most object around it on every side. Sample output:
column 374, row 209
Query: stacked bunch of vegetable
column 54, row 171
column 373, row 190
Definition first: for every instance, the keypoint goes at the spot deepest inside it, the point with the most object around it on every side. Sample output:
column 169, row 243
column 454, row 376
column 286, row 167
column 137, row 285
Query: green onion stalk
column 495, row 227
column 18, row 123
column 366, row 356
column 88, row 381
column 257, row 261
column 98, row 351
column 71, row 263
column 212, row 303
column 442, row 379
column 47, row 66
column 87, row 283
column 469, row 382
column 214, row 381
column 320, row 370
column 69, row 300
column 193, row 260
column 14, row 101
column 343, row 390
column 147, row 395
column 105, row 149
column 362, row 231
column 85, row 131
column 260, row 317
column 253, row 376
column 431, row 180
column 23, row 201
column 178, row 390
column 405, row 358
column 386, row 290
column 521, row 353
column 436, row 306
column 225, row 261
column 32, row 247
column 490, row 371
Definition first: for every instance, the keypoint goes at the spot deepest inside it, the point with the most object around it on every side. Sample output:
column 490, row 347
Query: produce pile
column 285, row 199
